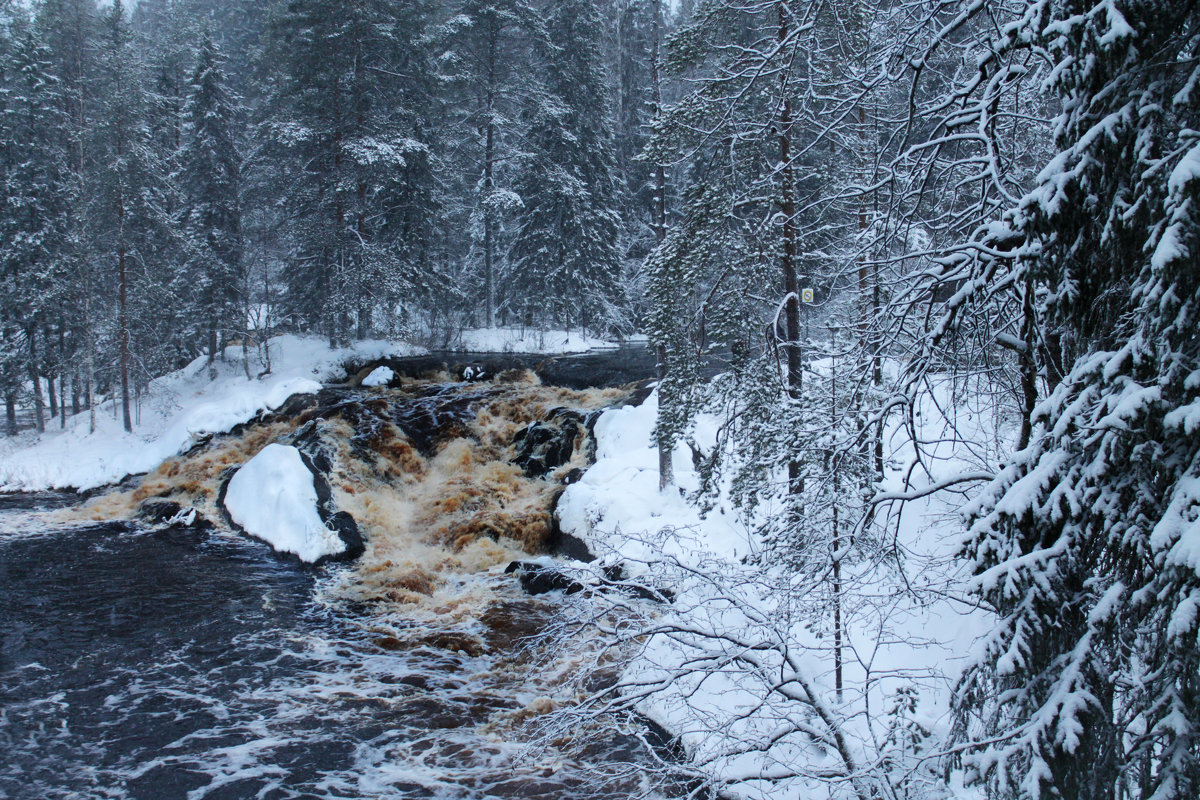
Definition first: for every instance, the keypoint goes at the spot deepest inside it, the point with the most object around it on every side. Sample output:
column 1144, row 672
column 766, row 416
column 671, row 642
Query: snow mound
column 616, row 508
column 380, row 376
column 273, row 498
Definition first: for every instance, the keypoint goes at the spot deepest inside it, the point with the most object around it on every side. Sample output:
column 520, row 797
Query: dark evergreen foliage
column 566, row 266
column 211, row 193
column 1086, row 543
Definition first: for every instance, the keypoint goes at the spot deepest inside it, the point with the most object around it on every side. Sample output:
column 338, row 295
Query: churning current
column 153, row 661
column 173, row 664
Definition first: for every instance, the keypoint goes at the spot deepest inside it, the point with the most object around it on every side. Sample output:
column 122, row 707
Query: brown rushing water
column 148, row 662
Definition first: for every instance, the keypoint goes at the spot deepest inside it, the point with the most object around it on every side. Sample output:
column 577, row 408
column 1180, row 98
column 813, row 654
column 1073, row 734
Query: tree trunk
column 212, row 349
column 787, row 209
column 62, row 377
column 666, row 469
column 1028, row 367
column 52, row 394
column 489, row 181
column 123, row 300
column 10, row 412
column 836, row 546
column 39, row 408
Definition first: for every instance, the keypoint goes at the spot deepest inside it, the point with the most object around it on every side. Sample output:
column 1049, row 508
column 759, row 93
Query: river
column 147, row 662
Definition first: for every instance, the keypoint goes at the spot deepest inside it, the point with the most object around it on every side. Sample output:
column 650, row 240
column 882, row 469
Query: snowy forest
column 944, row 253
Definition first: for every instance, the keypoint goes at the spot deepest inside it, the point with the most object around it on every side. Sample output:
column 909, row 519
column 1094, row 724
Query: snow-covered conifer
column 1086, row 543
column 566, row 267
column 210, row 185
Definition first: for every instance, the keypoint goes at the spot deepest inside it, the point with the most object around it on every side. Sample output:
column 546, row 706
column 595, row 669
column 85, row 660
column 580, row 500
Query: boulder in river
column 545, row 445
column 278, row 496
column 540, row 578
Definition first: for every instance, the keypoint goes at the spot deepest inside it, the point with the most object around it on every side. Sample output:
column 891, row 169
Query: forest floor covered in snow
column 740, row 666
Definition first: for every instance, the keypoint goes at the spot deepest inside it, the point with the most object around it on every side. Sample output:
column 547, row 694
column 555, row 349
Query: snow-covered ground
column 272, row 497
column 527, row 340
column 178, row 409
column 730, row 705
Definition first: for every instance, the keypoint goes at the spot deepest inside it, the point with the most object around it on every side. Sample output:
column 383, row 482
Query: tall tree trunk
column 51, row 383
column 123, row 313
column 91, row 365
column 869, row 293
column 836, row 546
column 212, row 347
column 787, row 209
column 52, row 394
column 39, row 407
column 1028, row 366
column 666, row 469
column 10, row 412
column 489, row 179
column 62, row 376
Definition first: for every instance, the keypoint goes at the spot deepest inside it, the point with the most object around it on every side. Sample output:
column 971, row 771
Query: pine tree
column 210, row 184
column 566, row 267
column 1086, row 544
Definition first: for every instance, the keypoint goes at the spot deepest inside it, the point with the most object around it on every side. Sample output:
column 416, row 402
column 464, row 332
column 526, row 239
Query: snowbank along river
column 157, row 659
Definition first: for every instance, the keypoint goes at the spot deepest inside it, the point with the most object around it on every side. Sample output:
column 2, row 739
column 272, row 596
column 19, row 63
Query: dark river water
column 170, row 664
column 143, row 663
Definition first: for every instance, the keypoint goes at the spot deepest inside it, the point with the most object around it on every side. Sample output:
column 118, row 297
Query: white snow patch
column 177, row 410
column 617, row 509
column 380, row 376
column 528, row 340
column 273, row 498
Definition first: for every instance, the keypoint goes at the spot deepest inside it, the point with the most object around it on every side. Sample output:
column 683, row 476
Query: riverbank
column 739, row 668
column 182, row 407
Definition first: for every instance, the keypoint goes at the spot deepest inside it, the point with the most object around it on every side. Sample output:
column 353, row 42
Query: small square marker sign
column 806, row 295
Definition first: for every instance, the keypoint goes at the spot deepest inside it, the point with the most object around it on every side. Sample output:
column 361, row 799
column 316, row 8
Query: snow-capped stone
column 273, row 498
column 380, row 376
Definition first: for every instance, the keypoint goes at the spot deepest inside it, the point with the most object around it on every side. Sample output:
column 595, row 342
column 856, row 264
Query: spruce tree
column 1086, row 543
column 351, row 115
column 210, row 185
column 566, row 266
column 491, row 46
column 129, row 212
column 32, row 226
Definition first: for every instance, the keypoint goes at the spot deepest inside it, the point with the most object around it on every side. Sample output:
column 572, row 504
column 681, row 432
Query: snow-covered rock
column 273, row 497
column 380, row 376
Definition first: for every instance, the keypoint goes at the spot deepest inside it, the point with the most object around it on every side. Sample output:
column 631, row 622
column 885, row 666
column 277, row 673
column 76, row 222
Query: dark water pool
column 174, row 664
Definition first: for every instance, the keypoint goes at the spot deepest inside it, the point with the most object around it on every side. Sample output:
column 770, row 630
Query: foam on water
column 170, row 663
column 220, row 676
